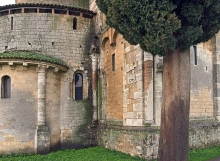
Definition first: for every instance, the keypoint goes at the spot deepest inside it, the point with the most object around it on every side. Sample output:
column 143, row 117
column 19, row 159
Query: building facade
column 70, row 81
column 45, row 76
column 130, row 98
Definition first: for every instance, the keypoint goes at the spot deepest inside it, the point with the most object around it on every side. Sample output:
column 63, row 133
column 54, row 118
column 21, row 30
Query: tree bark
column 174, row 131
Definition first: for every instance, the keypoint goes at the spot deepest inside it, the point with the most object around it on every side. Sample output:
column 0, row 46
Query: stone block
column 138, row 95
column 138, row 122
column 139, row 77
column 139, row 57
column 42, row 140
column 127, row 49
column 147, row 56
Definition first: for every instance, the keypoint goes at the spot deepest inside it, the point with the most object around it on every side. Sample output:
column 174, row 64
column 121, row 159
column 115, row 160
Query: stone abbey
column 70, row 81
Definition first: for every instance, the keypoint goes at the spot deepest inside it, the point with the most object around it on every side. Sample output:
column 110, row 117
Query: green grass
column 204, row 154
column 102, row 154
column 90, row 154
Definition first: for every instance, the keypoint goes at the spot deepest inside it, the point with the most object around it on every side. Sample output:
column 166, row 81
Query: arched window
column 78, row 86
column 6, row 87
column 74, row 23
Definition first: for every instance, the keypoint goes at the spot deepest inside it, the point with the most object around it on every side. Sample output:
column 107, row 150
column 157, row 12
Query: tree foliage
column 160, row 25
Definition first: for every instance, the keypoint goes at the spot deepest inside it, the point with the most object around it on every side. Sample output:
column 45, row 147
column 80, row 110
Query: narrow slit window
column 113, row 62
column 78, row 87
column 12, row 23
column 195, row 54
column 6, row 87
column 74, row 23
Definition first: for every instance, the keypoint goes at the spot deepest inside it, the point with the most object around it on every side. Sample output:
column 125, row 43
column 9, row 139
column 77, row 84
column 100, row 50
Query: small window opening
column 74, row 23
column 78, row 87
column 113, row 62
column 12, row 23
column 53, row 43
column 15, row 11
column 195, row 54
column 4, row 12
column 6, row 87
column 30, row 10
column 45, row 10
column 6, row 47
column 60, row 11
column 74, row 13
column 87, row 15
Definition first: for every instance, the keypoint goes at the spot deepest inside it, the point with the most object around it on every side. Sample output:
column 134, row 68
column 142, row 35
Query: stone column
column 216, row 79
column 42, row 135
column 148, row 88
column 157, row 88
column 41, row 115
column 94, row 58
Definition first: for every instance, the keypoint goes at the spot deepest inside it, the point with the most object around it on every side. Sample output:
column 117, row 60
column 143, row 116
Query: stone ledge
column 26, row 58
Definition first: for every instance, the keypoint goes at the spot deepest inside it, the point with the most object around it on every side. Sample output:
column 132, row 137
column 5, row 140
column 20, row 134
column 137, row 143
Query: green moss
column 100, row 97
column 56, row 21
column 87, row 117
column 28, row 55
column 84, row 4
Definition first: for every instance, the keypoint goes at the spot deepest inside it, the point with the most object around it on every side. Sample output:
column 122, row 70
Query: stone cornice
column 27, row 63
column 27, row 58
column 9, row 9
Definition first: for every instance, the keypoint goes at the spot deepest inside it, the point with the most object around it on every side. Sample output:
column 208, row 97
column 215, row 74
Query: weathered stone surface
column 53, row 35
column 42, row 140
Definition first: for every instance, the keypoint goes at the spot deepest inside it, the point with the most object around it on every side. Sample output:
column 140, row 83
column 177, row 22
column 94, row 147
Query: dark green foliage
column 28, row 55
column 158, row 25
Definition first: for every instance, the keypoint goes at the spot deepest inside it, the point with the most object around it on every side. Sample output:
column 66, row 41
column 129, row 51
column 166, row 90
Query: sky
column 5, row 2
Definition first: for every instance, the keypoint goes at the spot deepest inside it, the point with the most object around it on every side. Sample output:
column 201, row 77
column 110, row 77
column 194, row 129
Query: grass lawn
column 90, row 154
column 204, row 154
column 102, row 154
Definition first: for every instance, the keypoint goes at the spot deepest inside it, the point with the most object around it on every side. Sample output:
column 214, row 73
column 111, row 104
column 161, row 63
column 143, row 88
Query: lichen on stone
column 29, row 55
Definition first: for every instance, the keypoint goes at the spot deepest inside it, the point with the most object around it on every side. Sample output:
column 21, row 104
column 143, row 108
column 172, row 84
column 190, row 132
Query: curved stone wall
column 51, row 34
column 18, row 114
column 48, row 31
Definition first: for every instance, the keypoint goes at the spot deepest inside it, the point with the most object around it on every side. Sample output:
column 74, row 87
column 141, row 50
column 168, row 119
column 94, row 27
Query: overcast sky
column 5, row 2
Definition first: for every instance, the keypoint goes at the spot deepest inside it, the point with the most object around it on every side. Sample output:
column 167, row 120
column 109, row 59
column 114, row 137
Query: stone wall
column 130, row 88
column 114, row 77
column 53, row 107
column 53, row 35
column 201, row 96
column 17, row 119
column 144, row 141
column 19, row 113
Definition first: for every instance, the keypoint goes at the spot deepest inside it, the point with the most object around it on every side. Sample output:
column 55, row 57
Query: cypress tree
column 167, row 28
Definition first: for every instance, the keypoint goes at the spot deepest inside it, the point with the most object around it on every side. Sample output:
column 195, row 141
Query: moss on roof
column 29, row 55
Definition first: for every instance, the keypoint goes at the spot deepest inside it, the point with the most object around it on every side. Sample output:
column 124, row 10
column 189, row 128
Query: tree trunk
column 174, row 131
